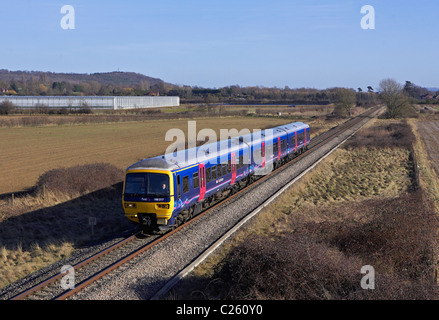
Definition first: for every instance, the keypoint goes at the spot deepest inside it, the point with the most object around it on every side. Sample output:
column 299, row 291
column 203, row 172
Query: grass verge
column 46, row 226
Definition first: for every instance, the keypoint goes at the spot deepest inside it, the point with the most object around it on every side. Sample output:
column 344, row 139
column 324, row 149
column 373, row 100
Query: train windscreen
column 147, row 184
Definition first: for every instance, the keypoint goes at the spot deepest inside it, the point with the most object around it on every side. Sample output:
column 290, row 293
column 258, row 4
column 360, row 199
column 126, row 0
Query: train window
column 185, row 184
column 283, row 144
column 275, row 148
column 224, row 168
column 178, row 187
column 208, row 174
column 218, row 170
column 196, row 180
column 229, row 166
column 308, row 136
column 241, row 161
column 213, row 172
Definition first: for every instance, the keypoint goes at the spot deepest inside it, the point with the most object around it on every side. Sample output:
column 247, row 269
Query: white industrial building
column 107, row 102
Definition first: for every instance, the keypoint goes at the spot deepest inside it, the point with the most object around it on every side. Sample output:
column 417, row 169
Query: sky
column 211, row 43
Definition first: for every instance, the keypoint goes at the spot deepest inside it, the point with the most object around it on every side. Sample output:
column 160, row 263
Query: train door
column 233, row 164
column 177, row 192
column 202, row 174
column 295, row 138
column 278, row 148
column 263, row 154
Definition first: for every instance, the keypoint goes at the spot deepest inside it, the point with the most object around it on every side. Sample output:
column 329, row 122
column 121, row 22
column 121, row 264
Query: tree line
column 235, row 94
column 399, row 98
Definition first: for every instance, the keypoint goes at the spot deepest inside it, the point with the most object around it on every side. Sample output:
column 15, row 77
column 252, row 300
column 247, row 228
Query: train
column 165, row 191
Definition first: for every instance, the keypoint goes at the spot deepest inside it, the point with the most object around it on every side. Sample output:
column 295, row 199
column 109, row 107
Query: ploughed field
column 429, row 130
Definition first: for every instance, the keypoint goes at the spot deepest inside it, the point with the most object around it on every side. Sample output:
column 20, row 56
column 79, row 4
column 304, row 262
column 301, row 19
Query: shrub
column 323, row 260
column 291, row 267
column 400, row 239
column 392, row 135
column 7, row 107
column 79, row 180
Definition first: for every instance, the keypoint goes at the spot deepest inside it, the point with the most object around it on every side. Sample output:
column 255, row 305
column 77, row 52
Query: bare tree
column 393, row 95
column 345, row 99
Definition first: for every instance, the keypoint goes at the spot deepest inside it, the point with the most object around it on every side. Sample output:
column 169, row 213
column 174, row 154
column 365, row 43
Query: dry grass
column 323, row 260
column 16, row 263
column 43, row 227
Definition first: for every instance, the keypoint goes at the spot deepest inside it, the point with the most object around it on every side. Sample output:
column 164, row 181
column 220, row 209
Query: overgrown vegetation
column 359, row 208
column 383, row 135
column 323, row 260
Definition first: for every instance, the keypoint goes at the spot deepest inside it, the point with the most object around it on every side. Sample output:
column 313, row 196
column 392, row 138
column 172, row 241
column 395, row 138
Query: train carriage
column 164, row 191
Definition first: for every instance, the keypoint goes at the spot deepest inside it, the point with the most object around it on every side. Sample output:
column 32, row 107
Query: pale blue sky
column 212, row 43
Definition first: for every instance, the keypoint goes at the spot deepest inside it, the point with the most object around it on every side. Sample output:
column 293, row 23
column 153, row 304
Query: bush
column 400, row 239
column 323, row 260
column 7, row 107
column 394, row 135
column 290, row 267
column 79, row 180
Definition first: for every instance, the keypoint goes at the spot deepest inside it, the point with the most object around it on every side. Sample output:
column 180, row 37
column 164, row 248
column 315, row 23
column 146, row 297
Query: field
column 28, row 152
column 430, row 132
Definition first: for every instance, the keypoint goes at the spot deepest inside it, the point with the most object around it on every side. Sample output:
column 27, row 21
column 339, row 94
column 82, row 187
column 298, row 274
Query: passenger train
column 165, row 191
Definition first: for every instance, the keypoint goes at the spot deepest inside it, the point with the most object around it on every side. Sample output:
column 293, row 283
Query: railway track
column 106, row 261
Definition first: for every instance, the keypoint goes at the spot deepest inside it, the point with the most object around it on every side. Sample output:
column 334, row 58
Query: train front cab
column 148, row 197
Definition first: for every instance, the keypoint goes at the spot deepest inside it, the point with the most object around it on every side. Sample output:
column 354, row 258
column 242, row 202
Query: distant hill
column 114, row 78
column 433, row 89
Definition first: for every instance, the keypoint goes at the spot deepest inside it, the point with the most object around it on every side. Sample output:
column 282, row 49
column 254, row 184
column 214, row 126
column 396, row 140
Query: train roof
column 187, row 157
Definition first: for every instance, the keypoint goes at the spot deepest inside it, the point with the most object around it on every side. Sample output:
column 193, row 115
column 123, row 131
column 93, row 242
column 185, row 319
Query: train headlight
column 129, row 205
column 163, row 206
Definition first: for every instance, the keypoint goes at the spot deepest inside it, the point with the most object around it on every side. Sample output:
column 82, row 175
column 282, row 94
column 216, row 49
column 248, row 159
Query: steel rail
column 76, row 267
